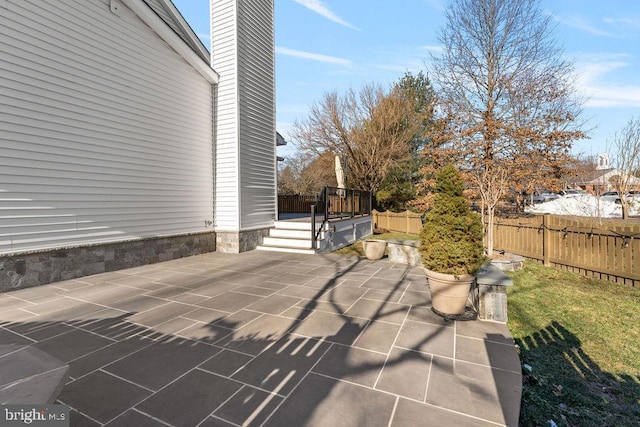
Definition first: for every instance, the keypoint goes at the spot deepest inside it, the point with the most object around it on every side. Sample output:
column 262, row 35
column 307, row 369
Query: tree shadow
column 567, row 386
column 261, row 361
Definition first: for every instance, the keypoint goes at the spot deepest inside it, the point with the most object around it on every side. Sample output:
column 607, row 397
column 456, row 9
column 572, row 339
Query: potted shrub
column 451, row 244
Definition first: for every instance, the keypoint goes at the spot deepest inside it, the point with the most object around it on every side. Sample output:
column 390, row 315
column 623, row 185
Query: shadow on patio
column 269, row 339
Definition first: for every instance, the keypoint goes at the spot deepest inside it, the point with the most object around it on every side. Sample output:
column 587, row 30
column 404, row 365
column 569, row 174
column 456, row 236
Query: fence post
column 546, row 240
column 408, row 216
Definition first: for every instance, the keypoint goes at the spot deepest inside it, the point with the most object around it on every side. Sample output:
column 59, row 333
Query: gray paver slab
column 405, row 373
column 496, row 355
column 410, row 413
column 258, row 335
column 161, row 314
column 386, row 284
column 274, row 304
column 205, row 332
column 322, row 401
column 379, row 310
column 106, row 355
column 331, row 327
column 73, row 344
column 102, row 396
column 134, row 418
column 283, row 365
column 343, row 295
column 190, row 399
column 39, row 331
column 427, row 338
column 378, row 336
column 489, row 394
column 8, row 337
column 351, row 364
column 249, row 407
column 226, row 362
column 230, row 301
column 163, row 362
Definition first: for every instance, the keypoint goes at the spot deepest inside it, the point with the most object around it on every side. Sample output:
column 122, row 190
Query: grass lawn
column 581, row 338
column 356, row 248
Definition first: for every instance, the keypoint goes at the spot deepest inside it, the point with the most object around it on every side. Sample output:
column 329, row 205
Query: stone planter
column 449, row 293
column 374, row 249
column 508, row 262
column 405, row 252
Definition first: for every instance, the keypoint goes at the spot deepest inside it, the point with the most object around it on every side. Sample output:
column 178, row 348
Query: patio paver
column 265, row 338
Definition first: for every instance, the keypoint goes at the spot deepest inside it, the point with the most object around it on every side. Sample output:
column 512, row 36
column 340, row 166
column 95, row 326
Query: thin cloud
column 580, row 24
column 313, row 56
column 601, row 92
column 436, row 4
column 321, row 9
column 432, row 48
column 630, row 23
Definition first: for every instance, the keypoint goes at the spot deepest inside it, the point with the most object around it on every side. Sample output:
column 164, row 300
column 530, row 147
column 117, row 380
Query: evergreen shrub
column 451, row 239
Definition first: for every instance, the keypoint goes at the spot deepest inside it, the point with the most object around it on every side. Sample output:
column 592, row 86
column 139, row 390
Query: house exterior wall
column 243, row 55
column 105, row 131
column 256, row 83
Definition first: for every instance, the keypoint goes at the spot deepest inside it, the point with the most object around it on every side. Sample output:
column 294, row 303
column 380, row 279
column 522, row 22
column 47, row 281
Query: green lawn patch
column 581, row 337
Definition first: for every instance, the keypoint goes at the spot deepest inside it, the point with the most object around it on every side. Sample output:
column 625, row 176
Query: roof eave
column 150, row 18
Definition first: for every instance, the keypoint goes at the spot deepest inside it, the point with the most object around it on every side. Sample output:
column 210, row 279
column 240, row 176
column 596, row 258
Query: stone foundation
column 36, row 268
column 236, row 242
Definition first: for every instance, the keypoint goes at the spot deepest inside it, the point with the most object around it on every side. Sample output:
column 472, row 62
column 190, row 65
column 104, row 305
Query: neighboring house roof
column 280, row 141
column 603, row 177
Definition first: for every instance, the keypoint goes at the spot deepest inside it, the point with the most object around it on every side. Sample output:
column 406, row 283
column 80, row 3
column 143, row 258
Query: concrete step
column 292, row 234
column 296, row 225
column 286, row 249
column 287, row 242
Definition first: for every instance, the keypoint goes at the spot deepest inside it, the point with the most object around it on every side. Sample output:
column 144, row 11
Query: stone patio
column 264, row 338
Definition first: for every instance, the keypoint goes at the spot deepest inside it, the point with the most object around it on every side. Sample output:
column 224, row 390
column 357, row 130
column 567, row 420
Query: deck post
column 313, row 226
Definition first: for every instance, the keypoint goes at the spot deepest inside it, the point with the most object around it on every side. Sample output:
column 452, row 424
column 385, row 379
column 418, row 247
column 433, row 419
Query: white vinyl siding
column 105, row 131
column 224, row 61
column 243, row 56
column 257, row 113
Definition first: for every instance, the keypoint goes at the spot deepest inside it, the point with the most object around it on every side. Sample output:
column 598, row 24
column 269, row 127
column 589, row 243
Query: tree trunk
column 490, row 221
column 625, row 208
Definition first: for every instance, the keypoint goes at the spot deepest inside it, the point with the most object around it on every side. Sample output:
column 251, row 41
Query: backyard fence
column 403, row 222
column 605, row 248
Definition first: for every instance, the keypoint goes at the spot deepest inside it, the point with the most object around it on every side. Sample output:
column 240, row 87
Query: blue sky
column 326, row 45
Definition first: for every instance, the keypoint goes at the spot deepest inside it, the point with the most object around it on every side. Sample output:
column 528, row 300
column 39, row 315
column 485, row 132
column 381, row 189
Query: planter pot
column 449, row 293
column 374, row 249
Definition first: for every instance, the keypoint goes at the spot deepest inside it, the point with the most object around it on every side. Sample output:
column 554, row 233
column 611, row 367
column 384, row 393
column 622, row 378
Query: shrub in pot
column 451, row 244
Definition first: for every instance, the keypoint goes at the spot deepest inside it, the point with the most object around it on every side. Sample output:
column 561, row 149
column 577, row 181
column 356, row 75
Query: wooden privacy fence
column 605, row 248
column 404, row 222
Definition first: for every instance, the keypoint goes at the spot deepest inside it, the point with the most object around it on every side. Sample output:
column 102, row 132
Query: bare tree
column 373, row 128
column 506, row 96
column 626, row 158
column 304, row 173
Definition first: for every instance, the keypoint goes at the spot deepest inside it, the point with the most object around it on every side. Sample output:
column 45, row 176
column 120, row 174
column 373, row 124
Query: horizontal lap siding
column 105, row 132
column 257, row 111
column 224, row 61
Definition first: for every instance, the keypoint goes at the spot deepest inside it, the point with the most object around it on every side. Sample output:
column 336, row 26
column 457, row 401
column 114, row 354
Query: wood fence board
column 585, row 245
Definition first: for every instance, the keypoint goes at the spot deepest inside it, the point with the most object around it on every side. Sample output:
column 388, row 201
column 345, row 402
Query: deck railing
column 337, row 203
